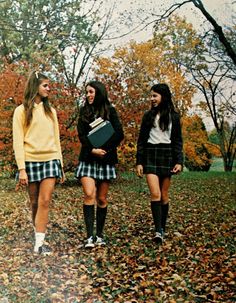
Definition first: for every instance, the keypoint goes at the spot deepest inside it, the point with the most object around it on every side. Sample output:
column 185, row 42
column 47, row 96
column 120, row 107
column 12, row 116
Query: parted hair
column 30, row 93
column 164, row 108
column 101, row 103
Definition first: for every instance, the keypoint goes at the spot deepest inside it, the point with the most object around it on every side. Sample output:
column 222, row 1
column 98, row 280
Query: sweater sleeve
column 177, row 140
column 83, row 130
column 142, row 140
column 57, row 136
column 18, row 136
column 118, row 136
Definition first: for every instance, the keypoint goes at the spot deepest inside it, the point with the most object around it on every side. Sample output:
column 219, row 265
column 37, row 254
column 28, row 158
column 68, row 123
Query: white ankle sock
column 39, row 238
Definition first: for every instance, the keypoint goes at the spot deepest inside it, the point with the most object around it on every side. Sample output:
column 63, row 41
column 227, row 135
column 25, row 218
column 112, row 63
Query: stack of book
column 100, row 133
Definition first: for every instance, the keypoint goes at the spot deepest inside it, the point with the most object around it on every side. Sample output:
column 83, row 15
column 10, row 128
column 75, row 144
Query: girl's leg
column 46, row 189
column 154, row 187
column 102, row 191
column 33, row 190
column 89, row 189
column 165, row 185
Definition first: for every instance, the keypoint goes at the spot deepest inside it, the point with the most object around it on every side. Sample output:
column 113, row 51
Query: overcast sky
column 221, row 10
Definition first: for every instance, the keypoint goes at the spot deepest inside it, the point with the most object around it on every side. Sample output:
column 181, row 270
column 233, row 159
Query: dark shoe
column 43, row 250
column 162, row 233
column 158, row 238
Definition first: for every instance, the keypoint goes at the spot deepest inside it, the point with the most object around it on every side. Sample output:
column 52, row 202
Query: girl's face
column 90, row 94
column 155, row 98
column 44, row 89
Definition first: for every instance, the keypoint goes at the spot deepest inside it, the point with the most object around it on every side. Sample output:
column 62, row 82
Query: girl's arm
column 57, row 136
column 177, row 140
column 83, row 130
column 18, row 137
column 142, row 139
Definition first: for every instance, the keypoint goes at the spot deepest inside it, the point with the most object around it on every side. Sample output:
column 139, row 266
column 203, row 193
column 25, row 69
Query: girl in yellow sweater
column 37, row 149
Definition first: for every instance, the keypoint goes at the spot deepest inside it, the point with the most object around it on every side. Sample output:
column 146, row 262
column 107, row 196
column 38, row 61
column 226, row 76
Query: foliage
column 215, row 141
column 11, row 90
column 12, row 83
column 195, row 263
column 183, row 45
column 206, row 69
column 129, row 74
column 219, row 105
column 60, row 34
column 197, row 155
column 222, row 35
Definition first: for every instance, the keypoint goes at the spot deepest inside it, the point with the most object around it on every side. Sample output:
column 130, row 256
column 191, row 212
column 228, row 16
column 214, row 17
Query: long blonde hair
column 31, row 91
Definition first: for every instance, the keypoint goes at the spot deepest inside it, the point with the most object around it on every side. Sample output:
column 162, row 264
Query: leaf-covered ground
column 196, row 263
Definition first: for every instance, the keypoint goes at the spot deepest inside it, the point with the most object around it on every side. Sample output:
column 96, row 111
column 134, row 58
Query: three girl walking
column 38, row 155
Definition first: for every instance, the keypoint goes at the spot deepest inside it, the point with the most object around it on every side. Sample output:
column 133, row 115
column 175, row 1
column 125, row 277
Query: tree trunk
column 218, row 30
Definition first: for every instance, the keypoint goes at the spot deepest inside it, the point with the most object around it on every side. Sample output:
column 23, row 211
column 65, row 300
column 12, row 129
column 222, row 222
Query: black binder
column 102, row 131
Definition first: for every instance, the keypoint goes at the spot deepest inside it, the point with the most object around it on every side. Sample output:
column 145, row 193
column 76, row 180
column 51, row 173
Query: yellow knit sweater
column 40, row 141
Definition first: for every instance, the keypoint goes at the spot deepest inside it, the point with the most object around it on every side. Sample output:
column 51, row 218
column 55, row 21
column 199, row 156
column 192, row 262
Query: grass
column 195, row 263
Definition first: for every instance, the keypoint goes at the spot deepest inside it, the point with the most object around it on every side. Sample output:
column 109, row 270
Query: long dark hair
column 100, row 105
column 31, row 91
column 164, row 108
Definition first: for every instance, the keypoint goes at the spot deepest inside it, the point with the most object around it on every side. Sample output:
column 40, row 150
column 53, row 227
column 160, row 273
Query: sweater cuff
column 21, row 164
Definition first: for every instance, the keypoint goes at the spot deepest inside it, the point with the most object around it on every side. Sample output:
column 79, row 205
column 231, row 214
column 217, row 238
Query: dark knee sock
column 156, row 214
column 89, row 219
column 100, row 220
column 165, row 210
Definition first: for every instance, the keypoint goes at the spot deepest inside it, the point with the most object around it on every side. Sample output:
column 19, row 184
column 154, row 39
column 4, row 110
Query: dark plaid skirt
column 158, row 159
column 96, row 171
column 37, row 171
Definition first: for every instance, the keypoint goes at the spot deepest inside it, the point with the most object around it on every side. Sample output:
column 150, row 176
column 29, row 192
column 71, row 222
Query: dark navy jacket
column 111, row 146
column 176, row 139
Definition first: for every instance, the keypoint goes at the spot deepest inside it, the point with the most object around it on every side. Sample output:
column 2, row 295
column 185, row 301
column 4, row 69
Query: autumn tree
column 58, row 37
column 11, row 90
column 129, row 74
column 12, row 84
column 208, row 70
column 196, row 144
column 219, row 102
column 59, row 34
column 219, row 32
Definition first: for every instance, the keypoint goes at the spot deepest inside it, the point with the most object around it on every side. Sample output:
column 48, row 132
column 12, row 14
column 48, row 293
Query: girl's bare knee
column 102, row 201
column 165, row 197
column 155, row 197
column 44, row 203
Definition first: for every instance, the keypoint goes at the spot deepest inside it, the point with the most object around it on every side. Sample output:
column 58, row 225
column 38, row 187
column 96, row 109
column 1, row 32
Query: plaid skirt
column 37, row 171
column 96, row 171
column 158, row 160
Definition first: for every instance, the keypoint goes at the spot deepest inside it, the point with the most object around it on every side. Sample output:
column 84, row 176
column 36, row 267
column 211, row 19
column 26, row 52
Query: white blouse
column 157, row 135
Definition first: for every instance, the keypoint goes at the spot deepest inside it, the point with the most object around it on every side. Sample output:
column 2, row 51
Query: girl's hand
column 23, row 178
column 63, row 178
column 177, row 169
column 98, row 152
column 139, row 170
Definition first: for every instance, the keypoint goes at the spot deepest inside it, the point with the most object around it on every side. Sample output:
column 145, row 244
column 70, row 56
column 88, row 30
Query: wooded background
column 65, row 40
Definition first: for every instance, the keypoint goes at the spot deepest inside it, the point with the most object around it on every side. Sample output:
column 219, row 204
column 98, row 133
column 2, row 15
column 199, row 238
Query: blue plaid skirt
column 96, row 171
column 158, row 159
column 37, row 171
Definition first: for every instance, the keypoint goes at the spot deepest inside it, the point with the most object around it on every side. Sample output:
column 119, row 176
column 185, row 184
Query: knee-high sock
column 156, row 214
column 100, row 219
column 89, row 219
column 165, row 210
